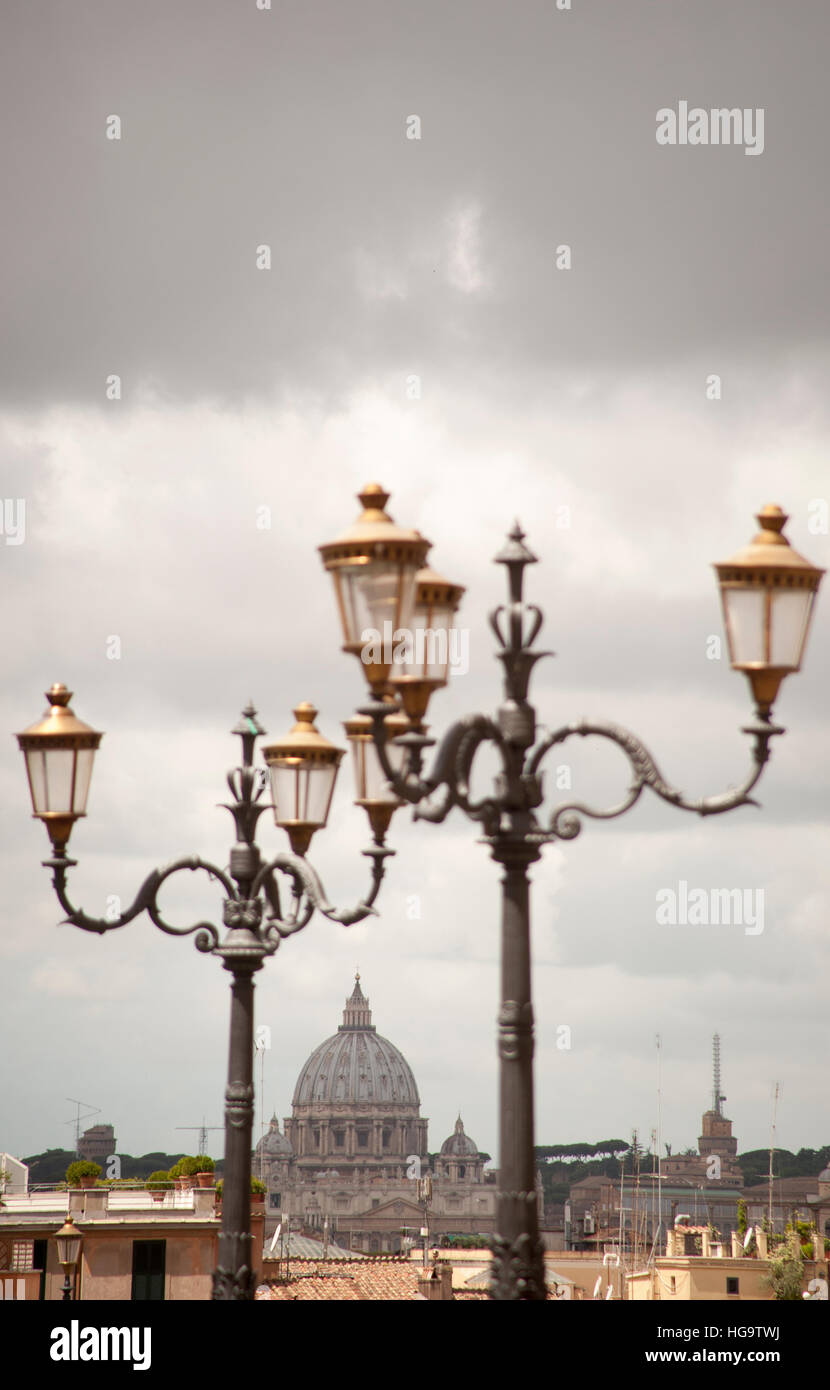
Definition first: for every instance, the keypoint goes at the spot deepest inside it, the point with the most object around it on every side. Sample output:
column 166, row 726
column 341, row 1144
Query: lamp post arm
column 146, row 900
column 309, row 894
column 565, row 823
column 451, row 768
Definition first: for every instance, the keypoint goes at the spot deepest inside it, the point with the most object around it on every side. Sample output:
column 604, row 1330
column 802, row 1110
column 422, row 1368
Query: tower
column 717, row 1129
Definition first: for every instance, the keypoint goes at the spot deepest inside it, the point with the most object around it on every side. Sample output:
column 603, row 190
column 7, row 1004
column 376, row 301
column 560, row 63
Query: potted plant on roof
column 184, row 1172
column 204, row 1170
column 257, row 1192
column 83, row 1173
column 158, row 1183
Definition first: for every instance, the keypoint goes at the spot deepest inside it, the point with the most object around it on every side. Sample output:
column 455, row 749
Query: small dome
column 459, row 1144
column 824, row 1175
column 273, row 1144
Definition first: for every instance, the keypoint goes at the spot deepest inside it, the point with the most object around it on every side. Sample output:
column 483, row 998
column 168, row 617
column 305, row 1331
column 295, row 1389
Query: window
column 376, row 1201
column 674, row 1284
column 387, row 1138
column 23, row 1255
column 339, row 1138
column 274, row 1200
column 148, row 1271
column 462, row 1170
column 363, row 1138
column 732, row 1287
column 316, row 1133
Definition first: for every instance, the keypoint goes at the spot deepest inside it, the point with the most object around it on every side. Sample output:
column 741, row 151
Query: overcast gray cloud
column 573, row 398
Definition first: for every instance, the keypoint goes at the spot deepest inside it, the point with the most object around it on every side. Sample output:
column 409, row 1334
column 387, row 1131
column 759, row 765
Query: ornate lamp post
column 768, row 591
column 59, row 752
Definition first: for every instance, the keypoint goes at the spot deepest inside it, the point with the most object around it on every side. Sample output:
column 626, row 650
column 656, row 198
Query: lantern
column 59, row 753
column 422, row 661
column 768, row 591
column 373, row 791
column 373, row 566
column 303, row 769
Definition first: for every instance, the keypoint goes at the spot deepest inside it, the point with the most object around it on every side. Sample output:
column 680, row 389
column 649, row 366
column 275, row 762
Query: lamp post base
column 234, row 1279
column 519, row 1264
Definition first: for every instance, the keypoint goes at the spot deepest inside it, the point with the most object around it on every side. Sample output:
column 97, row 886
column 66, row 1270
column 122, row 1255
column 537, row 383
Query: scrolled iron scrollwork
column 146, row 900
column 565, row 823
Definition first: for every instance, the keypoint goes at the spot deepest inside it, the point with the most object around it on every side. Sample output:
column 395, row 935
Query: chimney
column 437, row 1285
column 96, row 1202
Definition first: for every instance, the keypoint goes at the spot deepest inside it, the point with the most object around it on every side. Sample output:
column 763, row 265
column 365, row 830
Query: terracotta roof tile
column 346, row 1281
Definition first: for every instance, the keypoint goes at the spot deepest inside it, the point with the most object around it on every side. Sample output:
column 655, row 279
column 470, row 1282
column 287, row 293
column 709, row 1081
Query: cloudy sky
column 416, row 325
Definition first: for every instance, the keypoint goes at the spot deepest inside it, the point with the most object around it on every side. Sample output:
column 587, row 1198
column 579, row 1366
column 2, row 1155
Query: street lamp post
column 59, row 752
column 768, row 591
column 68, row 1240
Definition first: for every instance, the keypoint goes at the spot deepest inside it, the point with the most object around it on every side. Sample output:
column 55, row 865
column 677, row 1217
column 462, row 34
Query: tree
column 786, row 1276
column 742, row 1219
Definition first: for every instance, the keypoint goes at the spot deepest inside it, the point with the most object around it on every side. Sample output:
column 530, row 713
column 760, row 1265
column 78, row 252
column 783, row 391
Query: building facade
column 349, row 1156
column 135, row 1247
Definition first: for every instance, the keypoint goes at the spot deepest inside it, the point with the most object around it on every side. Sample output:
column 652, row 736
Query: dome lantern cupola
column 357, row 1013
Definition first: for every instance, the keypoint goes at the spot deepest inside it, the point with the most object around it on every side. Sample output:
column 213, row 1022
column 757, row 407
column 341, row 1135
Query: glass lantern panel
column 60, row 765
column 790, row 615
column 373, row 595
column 36, row 767
column 427, row 654
column 68, row 1249
column 83, row 773
column 359, row 747
column 377, row 787
column 302, row 791
column 745, row 610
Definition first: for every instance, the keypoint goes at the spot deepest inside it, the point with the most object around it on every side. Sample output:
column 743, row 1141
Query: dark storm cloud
column 243, row 127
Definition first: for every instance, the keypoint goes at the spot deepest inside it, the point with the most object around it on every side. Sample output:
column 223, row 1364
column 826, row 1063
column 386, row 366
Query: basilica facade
column 348, row 1159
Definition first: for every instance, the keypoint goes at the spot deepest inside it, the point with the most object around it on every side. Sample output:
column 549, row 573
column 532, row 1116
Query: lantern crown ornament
column 768, row 592
column 59, row 751
column 374, row 565
column 303, row 769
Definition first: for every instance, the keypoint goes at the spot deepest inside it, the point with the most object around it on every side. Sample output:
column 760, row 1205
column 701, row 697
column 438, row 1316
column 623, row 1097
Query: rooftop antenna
column 91, row 1110
column 202, row 1130
column 659, row 1145
column 717, row 1097
column 261, row 1047
column 772, row 1147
